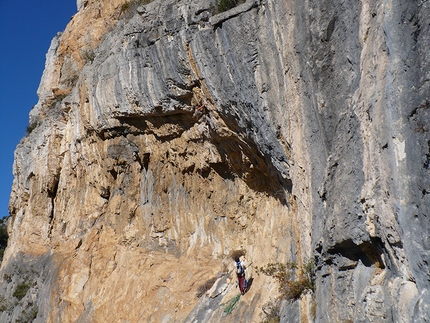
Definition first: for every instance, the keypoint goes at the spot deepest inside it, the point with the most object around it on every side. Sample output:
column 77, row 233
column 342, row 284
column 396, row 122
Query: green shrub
column 133, row 4
column 125, row 7
column 292, row 282
column 58, row 98
column 28, row 317
column 31, row 127
column 4, row 304
column 89, row 55
column 271, row 311
column 224, row 5
column 21, row 290
column 51, row 103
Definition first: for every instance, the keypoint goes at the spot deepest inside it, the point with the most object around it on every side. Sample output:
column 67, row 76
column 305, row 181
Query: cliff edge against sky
column 168, row 135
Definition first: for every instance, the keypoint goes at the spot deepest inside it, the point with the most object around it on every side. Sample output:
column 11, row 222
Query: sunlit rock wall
column 167, row 136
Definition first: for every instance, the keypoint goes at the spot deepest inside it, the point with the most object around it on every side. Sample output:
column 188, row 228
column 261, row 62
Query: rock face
column 167, row 136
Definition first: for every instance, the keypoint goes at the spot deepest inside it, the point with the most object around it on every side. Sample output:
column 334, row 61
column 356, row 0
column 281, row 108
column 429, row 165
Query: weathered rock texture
column 168, row 136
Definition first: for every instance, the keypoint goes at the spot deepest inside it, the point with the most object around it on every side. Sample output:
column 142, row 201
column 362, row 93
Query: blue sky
column 26, row 30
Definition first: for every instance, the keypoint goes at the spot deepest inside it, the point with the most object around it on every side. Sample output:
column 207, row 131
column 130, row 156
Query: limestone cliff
column 168, row 135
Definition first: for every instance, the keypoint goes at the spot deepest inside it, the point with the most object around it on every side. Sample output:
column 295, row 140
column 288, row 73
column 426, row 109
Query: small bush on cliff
column 271, row 311
column 21, row 290
column 224, row 5
column 31, row 127
column 89, row 55
column 129, row 5
column 4, row 304
column 125, row 6
column 28, row 316
column 292, row 283
column 58, row 98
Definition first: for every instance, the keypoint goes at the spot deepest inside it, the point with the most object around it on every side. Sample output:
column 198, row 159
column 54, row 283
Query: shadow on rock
column 248, row 286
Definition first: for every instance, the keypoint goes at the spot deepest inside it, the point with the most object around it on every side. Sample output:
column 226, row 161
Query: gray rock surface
column 315, row 125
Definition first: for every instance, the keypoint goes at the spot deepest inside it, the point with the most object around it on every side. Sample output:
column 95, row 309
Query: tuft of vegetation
column 131, row 5
column 292, row 282
column 224, row 5
column 125, row 6
column 29, row 129
column 58, row 97
column 28, row 316
column 89, row 55
column 4, row 304
column 231, row 304
column 21, row 290
column 272, row 311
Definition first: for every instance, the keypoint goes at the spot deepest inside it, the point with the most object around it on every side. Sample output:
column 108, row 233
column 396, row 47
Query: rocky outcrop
column 168, row 135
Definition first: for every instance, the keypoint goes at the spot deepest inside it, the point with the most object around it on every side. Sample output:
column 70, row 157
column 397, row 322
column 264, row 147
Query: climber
column 199, row 110
column 240, row 272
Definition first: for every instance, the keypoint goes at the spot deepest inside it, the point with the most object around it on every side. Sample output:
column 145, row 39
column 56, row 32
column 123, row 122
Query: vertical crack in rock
column 52, row 193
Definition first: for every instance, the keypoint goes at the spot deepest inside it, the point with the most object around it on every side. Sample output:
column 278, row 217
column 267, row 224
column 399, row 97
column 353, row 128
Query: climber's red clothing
column 242, row 283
